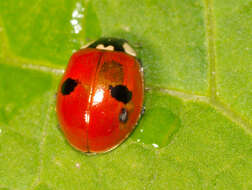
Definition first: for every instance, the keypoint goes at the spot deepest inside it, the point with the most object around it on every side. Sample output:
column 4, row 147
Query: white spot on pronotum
column 128, row 49
column 101, row 46
column 155, row 145
column 77, row 165
column 77, row 14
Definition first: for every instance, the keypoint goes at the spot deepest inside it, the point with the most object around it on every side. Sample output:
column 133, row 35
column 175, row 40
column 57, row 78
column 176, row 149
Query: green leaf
column 196, row 130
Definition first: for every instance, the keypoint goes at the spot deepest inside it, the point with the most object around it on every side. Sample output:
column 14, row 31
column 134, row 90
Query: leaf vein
column 211, row 46
column 215, row 103
column 42, row 142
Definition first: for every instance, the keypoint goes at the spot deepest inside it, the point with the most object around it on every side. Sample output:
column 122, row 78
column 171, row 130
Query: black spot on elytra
column 121, row 93
column 115, row 42
column 123, row 116
column 68, row 86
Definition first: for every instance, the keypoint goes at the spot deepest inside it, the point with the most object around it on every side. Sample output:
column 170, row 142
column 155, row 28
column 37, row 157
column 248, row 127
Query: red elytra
column 100, row 96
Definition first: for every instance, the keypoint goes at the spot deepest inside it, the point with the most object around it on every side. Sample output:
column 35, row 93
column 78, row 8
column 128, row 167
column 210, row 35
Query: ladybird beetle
column 100, row 96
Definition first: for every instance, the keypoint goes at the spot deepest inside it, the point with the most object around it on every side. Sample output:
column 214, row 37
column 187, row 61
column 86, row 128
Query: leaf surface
column 196, row 130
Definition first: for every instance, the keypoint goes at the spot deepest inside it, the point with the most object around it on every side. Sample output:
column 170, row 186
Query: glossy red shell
column 89, row 115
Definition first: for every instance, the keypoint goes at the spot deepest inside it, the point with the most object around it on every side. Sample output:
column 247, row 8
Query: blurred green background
column 196, row 131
